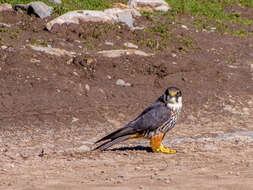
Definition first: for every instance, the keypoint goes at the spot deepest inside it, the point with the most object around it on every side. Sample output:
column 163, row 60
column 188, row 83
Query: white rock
column 159, row 5
column 109, row 43
column 5, row 7
column 163, row 8
column 75, row 17
column 185, row 27
column 52, row 51
column 5, row 25
column 4, row 47
column 174, row 55
column 40, row 9
column 87, row 87
column 107, row 16
column 57, row 2
column 130, row 45
column 74, row 119
column 118, row 53
column 121, row 82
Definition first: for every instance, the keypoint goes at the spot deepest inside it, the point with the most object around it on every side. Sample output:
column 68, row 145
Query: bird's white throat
column 175, row 105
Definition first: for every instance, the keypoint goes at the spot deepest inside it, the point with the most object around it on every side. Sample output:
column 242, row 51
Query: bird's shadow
column 136, row 148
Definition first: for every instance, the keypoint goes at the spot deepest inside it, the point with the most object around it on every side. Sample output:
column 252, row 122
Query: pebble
column 4, row 47
column 130, row 45
column 184, row 27
column 121, row 82
column 57, row 2
column 251, row 67
column 109, row 43
column 74, row 119
column 87, row 87
column 174, row 55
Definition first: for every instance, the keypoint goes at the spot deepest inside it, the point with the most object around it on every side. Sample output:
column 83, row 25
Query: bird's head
column 173, row 98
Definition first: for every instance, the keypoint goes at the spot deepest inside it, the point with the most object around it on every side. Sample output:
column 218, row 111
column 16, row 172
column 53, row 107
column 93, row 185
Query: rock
column 83, row 148
column 57, row 2
column 5, row 7
column 126, row 18
column 118, row 53
column 121, row 82
column 4, row 47
column 163, row 8
column 87, row 87
column 5, row 25
column 251, row 67
column 109, row 43
column 110, row 16
column 75, row 17
column 130, row 45
column 158, row 5
column 74, row 119
column 40, row 9
column 185, row 27
column 52, row 51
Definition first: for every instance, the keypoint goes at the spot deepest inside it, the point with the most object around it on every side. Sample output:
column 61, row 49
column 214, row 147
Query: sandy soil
column 52, row 109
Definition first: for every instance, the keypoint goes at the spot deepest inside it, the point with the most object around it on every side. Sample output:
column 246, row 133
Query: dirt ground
column 52, row 109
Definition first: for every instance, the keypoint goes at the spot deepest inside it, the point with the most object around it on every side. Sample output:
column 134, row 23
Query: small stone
column 126, row 18
column 109, row 77
column 184, row 27
column 118, row 53
column 163, row 8
column 137, row 168
column 251, row 67
column 4, row 47
column 35, row 60
column 87, row 87
column 174, row 55
column 56, row 2
column 137, row 28
column 52, row 51
column 5, row 25
column 212, row 29
column 130, row 45
column 158, row 5
column 75, row 73
column 109, row 43
column 74, row 119
column 121, row 82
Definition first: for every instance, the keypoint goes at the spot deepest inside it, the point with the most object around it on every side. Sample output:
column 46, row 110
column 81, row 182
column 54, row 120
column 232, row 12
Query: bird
column 153, row 123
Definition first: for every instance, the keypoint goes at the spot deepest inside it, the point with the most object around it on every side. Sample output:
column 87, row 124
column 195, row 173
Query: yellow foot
column 165, row 150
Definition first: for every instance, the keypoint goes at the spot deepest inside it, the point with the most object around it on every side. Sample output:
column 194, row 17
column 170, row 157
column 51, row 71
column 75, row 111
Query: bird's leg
column 157, row 146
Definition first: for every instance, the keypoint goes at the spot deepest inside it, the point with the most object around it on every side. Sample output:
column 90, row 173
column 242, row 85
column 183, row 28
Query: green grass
column 211, row 9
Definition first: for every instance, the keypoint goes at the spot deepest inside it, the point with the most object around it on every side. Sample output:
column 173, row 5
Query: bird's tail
column 111, row 142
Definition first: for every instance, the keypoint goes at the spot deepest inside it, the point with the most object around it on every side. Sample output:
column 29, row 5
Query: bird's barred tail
column 107, row 144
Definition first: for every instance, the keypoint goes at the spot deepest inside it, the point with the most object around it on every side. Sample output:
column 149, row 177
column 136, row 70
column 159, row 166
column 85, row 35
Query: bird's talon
column 165, row 150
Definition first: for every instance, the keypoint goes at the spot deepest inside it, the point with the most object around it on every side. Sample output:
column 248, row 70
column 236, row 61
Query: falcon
column 153, row 123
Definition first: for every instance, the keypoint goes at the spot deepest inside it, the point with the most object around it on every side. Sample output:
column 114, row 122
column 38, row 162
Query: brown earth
column 53, row 108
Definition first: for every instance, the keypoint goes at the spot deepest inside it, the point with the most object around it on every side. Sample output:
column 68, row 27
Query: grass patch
column 212, row 10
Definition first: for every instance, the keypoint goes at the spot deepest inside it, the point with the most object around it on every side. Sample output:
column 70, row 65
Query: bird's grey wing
column 151, row 119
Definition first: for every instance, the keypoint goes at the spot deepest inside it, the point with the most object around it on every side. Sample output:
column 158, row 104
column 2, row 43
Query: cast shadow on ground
column 135, row 148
